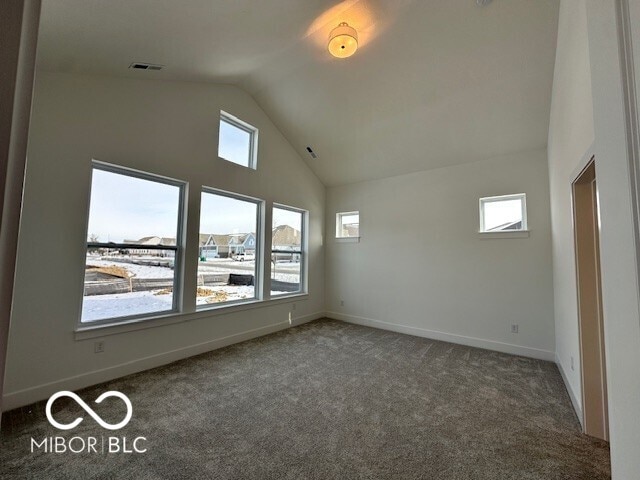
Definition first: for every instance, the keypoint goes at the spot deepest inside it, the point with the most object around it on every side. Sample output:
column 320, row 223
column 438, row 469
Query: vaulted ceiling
column 434, row 82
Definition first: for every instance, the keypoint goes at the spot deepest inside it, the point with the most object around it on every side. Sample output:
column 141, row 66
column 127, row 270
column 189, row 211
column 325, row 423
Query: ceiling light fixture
column 343, row 41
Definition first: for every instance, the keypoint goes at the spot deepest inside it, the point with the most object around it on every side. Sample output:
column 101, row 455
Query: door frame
column 593, row 371
column 19, row 23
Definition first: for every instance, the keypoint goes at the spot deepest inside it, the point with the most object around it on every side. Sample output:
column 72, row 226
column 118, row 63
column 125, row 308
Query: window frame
column 339, row 216
column 304, row 251
column 259, row 249
column 253, row 140
column 178, row 249
column 500, row 198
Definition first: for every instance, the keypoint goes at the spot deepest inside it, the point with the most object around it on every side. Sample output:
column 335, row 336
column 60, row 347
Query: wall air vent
column 311, row 152
column 145, row 66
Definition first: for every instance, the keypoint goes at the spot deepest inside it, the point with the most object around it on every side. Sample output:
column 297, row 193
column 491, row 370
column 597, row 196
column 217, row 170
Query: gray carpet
column 326, row 400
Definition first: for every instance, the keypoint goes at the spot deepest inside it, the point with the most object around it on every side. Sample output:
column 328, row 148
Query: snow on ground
column 211, row 269
column 283, row 277
column 285, row 272
column 98, row 307
column 138, row 271
column 234, row 292
column 286, row 277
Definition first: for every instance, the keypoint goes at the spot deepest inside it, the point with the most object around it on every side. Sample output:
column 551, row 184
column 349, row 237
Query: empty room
column 320, row 239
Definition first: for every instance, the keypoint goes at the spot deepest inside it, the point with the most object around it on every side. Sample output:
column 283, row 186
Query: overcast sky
column 234, row 144
column 499, row 213
column 128, row 208
column 220, row 214
column 287, row 217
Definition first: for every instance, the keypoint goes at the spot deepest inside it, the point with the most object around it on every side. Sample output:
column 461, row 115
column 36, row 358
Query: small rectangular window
column 288, row 257
column 133, row 246
column 348, row 225
column 228, row 270
column 506, row 213
column 237, row 141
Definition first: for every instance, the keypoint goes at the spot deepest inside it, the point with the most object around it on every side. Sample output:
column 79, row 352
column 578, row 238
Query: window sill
column 102, row 330
column 251, row 166
column 348, row 239
column 286, row 296
column 514, row 234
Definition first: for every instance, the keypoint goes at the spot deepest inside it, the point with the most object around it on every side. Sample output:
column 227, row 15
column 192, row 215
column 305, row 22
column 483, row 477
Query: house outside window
column 132, row 253
column 288, row 251
column 229, row 266
column 348, row 225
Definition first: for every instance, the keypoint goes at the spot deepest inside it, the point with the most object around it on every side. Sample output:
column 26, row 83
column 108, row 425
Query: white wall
column 168, row 128
column 587, row 118
column 620, row 284
column 570, row 139
column 18, row 39
column 422, row 268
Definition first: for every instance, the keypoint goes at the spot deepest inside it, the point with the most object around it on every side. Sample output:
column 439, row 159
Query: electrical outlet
column 342, row 303
column 514, row 328
column 290, row 319
column 98, row 347
column 572, row 365
column 293, row 307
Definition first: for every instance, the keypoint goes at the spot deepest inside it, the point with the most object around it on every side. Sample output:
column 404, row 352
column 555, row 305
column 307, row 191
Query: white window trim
column 504, row 233
column 258, row 277
column 178, row 279
column 253, row 142
column 339, row 216
column 347, row 239
column 118, row 325
column 304, row 248
column 88, row 330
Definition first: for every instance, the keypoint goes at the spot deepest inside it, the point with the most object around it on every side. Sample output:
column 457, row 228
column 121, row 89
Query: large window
column 506, row 213
column 133, row 245
column 228, row 268
column 237, row 141
column 288, row 251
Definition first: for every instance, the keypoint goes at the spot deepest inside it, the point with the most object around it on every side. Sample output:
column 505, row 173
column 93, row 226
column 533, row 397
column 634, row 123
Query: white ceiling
column 434, row 82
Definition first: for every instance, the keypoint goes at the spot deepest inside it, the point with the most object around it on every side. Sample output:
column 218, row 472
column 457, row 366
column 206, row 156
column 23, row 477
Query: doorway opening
column 592, row 350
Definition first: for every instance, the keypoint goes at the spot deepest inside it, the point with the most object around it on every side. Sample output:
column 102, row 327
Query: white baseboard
column 448, row 337
column 33, row 394
column 307, row 318
column 40, row 392
column 577, row 406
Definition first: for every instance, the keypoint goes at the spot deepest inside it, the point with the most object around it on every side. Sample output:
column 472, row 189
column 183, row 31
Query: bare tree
column 93, row 238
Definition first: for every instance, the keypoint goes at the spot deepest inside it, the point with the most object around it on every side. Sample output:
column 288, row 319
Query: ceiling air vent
column 145, row 66
column 311, row 152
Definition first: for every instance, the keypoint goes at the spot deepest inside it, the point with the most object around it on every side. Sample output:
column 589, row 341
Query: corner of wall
column 575, row 399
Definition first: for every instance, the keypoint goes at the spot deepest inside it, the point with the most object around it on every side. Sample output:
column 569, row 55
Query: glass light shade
column 343, row 41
